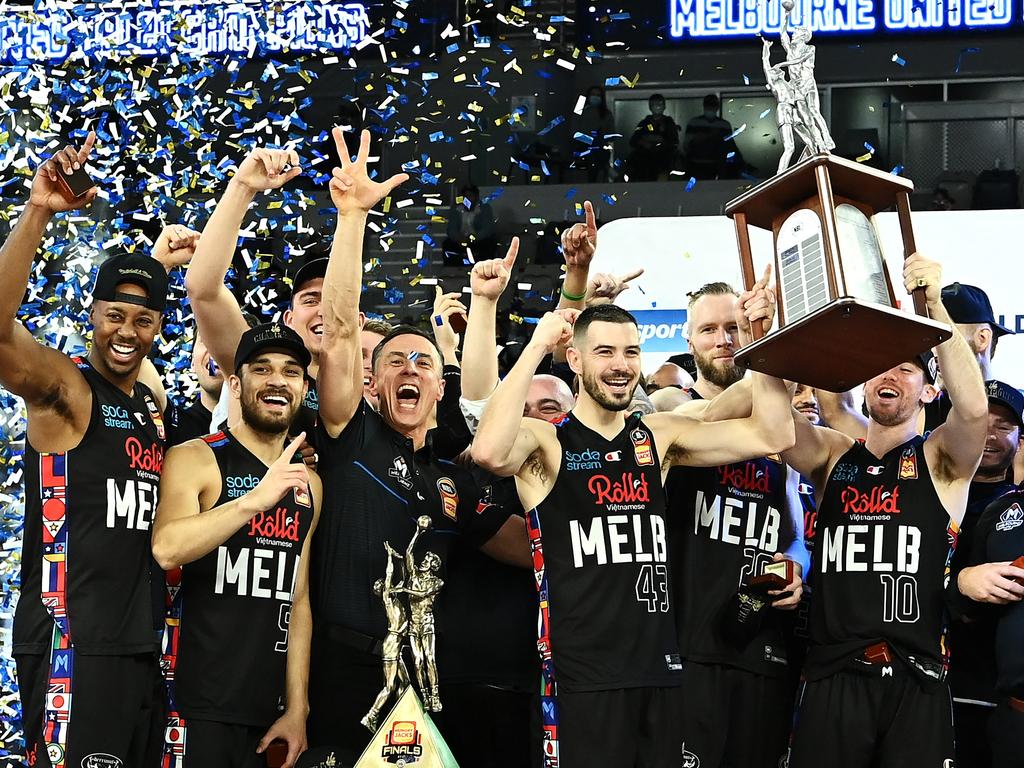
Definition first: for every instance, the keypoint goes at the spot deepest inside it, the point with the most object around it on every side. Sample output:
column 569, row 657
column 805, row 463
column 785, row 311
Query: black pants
column 488, row 727
column 861, row 720
column 343, row 683
column 1006, row 733
column 117, row 709
column 223, row 745
column 971, row 726
column 733, row 718
column 624, row 728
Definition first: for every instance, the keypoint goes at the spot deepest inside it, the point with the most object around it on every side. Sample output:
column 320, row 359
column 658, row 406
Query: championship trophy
column 407, row 736
column 839, row 322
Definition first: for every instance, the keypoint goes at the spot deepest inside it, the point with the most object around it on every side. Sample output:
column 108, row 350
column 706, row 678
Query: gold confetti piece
column 387, row 204
column 862, row 158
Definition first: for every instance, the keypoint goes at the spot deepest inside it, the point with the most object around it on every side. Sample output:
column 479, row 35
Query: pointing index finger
column 631, row 275
column 591, row 221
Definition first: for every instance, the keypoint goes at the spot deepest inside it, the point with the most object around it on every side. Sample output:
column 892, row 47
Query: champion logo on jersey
column 1012, row 517
column 400, row 471
column 876, row 469
column 613, row 456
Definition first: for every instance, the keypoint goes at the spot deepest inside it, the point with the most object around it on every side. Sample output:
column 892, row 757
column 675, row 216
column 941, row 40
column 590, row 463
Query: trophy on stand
column 407, row 736
column 839, row 322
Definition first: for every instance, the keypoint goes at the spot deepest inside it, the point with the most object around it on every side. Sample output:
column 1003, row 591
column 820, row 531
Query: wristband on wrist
column 570, row 297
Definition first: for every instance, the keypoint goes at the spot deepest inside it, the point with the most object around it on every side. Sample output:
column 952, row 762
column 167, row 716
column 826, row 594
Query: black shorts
column 117, row 709
column 620, row 729
column 210, row 744
column 489, row 727
column 854, row 719
column 1006, row 734
column 734, row 717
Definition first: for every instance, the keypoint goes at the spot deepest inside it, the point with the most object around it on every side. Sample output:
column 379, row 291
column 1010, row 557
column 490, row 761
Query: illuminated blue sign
column 194, row 29
column 729, row 18
column 661, row 330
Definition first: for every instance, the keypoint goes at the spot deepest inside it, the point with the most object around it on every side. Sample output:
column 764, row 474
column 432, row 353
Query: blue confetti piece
column 571, row 193
column 746, row 80
column 764, row 114
column 691, row 183
column 960, row 57
column 897, row 170
column 897, row 59
column 869, row 148
column 611, row 81
column 584, row 138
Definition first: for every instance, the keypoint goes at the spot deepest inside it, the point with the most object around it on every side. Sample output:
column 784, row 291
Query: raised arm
column 218, row 316
column 578, row 245
column 960, row 441
column 340, row 381
column 190, row 480
column 487, row 281
column 505, row 440
column 56, row 394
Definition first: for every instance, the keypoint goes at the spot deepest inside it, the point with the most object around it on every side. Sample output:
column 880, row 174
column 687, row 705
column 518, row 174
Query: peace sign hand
column 352, row 189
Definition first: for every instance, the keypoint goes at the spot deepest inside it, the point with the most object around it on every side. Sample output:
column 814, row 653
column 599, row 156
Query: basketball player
column 593, row 488
column 875, row 691
column 85, row 621
column 236, row 513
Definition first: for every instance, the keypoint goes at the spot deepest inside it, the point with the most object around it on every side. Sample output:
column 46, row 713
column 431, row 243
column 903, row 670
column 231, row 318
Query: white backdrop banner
column 680, row 254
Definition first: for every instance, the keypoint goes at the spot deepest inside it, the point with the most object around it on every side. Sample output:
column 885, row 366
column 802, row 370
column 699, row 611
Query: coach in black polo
column 379, row 473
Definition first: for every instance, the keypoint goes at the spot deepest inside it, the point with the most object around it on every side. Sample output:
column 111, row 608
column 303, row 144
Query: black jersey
column 88, row 513
column 188, row 422
column 972, row 666
column 236, row 602
column 487, row 611
column 601, row 560
column 725, row 524
column 882, row 555
column 1000, row 538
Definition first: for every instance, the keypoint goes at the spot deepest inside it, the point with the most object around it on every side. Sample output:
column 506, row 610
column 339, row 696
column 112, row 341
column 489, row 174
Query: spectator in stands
column 470, row 229
column 595, row 124
column 942, row 200
column 654, row 142
column 706, row 143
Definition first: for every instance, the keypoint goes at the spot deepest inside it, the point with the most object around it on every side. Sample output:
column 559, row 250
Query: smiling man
column 381, row 474
column 237, row 512
column 593, row 488
column 875, row 690
column 85, row 621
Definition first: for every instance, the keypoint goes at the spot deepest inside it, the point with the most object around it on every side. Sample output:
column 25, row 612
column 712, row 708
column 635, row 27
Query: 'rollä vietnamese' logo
column 877, row 501
column 627, row 490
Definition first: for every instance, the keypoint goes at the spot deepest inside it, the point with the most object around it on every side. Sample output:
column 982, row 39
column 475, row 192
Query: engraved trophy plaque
column 839, row 322
column 407, row 736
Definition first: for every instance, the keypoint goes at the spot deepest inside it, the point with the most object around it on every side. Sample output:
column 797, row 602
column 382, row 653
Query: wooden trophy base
column 842, row 344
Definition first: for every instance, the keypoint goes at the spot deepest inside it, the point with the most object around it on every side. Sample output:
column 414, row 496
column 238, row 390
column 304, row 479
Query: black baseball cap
column 270, row 336
column 929, row 364
column 970, row 304
column 143, row 271
column 311, row 270
column 1002, row 393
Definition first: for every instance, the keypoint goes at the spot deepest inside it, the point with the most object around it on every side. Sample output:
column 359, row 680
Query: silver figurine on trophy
column 794, row 87
column 410, row 619
column 833, row 287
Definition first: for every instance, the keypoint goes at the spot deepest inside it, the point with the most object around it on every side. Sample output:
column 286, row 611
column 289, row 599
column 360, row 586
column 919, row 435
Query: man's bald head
column 548, row 398
column 669, row 375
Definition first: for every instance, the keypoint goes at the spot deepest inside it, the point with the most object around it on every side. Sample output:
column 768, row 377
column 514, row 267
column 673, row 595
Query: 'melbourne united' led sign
column 728, row 18
column 196, row 29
